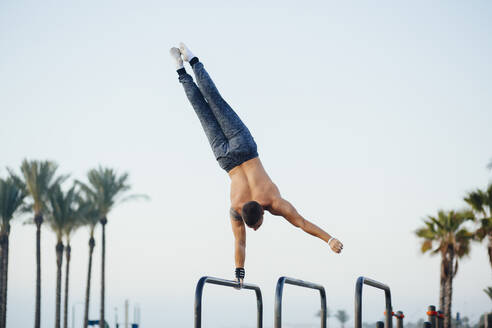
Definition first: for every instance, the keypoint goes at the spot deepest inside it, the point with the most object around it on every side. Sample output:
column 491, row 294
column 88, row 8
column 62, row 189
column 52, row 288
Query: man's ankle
column 193, row 61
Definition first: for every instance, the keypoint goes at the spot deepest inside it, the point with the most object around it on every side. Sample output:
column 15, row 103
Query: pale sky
column 367, row 115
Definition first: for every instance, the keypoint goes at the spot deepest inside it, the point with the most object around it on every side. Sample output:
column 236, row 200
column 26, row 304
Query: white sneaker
column 176, row 54
column 185, row 52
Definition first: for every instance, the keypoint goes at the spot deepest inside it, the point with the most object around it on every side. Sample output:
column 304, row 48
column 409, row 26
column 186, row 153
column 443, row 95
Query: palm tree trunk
column 3, row 276
column 448, row 294
column 442, row 278
column 103, row 264
column 92, row 243
column 5, row 281
column 489, row 248
column 59, row 260
column 67, row 270
column 38, row 219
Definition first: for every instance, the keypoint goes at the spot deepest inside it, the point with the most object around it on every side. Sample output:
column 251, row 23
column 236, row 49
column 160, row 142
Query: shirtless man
column 252, row 190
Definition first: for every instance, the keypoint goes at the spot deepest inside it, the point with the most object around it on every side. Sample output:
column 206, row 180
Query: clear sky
column 368, row 116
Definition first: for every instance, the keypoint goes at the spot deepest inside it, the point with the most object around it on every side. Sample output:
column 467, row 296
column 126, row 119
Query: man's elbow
column 301, row 223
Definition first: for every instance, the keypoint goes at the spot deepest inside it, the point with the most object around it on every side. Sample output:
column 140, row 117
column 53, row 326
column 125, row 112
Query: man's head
column 252, row 214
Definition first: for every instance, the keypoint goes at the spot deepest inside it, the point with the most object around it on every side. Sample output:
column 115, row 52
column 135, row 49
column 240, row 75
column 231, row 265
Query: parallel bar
column 228, row 283
column 358, row 301
column 301, row 283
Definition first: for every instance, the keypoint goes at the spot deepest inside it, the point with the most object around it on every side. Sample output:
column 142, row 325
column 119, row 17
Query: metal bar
column 228, row 283
column 301, row 283
column 358, row 300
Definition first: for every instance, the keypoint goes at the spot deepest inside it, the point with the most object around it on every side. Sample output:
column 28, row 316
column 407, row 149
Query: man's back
column 249, row 181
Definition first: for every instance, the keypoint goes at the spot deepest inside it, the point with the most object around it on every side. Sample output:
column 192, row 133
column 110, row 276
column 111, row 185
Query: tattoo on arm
column 235, row 215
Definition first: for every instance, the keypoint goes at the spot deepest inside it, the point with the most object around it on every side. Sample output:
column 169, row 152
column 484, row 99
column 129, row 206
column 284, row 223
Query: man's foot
column 176, row 54
column 187, row 54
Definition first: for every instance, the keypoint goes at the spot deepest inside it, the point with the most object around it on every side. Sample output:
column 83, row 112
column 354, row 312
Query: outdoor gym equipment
column 432, row 316
column 399, row 319
column 440, row 319
column 436, row 318
column 227, row 283
column 361, row 281
column 301, row 283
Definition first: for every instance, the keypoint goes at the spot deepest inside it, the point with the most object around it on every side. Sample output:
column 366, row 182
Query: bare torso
column 249, row 181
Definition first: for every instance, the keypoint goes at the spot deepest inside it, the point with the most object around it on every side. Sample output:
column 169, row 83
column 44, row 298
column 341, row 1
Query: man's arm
column 283, row 208
column 239, row 232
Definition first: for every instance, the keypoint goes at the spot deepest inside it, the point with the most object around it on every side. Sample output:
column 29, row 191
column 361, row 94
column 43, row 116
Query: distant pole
column 116, row 316
column 440, row 319
column 399, row 319
column 126, row 313
column 136, row 314
column 74, row 307
column 432, row 315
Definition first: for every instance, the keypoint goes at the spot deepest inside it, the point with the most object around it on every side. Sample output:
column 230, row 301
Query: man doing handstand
column 252, row 190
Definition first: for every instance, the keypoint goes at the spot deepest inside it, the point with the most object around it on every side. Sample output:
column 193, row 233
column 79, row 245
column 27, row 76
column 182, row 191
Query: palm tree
column 39, row 177
column 106, row 187
column 481, row 203
column 90, row 217
column 342, row 316
column 11, row 200
column 62, row 211
column 452, row 241
column 72, row 224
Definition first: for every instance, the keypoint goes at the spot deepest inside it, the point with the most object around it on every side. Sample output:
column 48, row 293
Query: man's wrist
column 240, row 273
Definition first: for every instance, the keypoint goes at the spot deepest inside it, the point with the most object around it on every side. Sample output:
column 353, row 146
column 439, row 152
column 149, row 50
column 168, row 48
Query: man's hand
column 240, row 282
column 240, row 273
column 335, row 245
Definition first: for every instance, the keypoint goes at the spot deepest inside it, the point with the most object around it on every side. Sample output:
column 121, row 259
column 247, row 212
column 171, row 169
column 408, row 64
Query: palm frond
column 107, row 187
column 37, row 179
column 134, row 197
column 476, row 200
column 62, row 209
column 11, row 201
column 426, row 246
column 488, row 291
column 425, row 233
column 87, row 210
column 446, row 229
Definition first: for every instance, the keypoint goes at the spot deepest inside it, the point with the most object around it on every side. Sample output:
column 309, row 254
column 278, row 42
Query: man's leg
column 229, row 121
column 215, row 136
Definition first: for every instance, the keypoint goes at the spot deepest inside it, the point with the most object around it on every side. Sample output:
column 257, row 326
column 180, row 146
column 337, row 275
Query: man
column 252, row 190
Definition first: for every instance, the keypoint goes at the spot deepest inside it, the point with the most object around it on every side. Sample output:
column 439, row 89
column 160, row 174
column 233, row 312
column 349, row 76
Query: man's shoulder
column 235, row 215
